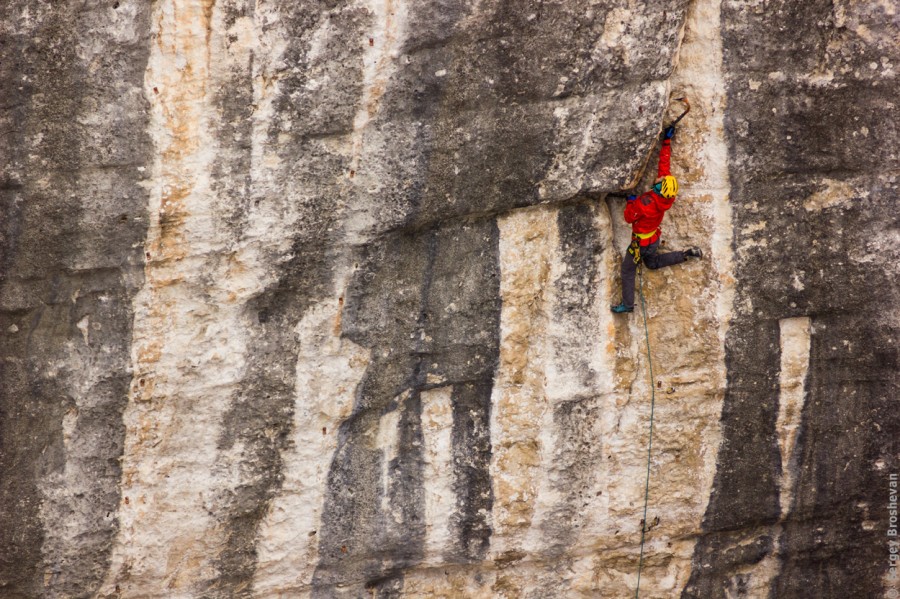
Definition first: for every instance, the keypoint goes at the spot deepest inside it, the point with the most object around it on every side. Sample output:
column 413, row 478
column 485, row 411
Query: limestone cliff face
column 311, row 299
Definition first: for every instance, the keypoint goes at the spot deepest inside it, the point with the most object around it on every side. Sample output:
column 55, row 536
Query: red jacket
column 645, row 213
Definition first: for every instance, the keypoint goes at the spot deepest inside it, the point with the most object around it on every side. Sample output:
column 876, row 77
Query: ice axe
column 686, row 110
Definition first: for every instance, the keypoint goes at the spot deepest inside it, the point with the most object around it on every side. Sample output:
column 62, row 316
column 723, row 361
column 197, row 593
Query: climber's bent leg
column 654, row 259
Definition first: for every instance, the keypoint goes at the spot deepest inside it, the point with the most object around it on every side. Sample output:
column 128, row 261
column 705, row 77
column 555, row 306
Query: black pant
column 652, row 259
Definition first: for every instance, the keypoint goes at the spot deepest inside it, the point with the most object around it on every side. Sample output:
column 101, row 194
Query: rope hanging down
column 637, row 589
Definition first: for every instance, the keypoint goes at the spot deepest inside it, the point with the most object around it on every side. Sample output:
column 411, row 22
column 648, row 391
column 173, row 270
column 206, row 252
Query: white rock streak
column 527, row 240
column 182, row 342
column 440, row 500
column 381, row 50
column 544, row 364
column 328, row 371
column 328, row 367
column 795, row 345
column 189, row 351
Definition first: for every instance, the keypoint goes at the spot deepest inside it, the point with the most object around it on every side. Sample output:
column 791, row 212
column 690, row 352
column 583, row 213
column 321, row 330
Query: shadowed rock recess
column 311, row 299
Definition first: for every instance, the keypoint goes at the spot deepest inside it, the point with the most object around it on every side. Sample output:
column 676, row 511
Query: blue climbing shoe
column 622, row 308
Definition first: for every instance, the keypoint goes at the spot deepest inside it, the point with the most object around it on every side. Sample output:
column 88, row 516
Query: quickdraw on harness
column 635, row 248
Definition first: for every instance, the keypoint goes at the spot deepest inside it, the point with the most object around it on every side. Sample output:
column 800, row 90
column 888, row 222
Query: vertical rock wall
column 76, row 158
column 312, row 299
column 814, row 184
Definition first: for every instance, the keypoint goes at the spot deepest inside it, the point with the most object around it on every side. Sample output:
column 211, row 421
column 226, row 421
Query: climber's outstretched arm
column 665, row 153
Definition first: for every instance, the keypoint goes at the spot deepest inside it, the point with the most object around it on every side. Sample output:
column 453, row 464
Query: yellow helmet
column 668, row 187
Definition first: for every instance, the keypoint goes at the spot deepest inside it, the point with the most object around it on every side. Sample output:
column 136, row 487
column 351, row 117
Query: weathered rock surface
column 311, row 299
column 814, row 188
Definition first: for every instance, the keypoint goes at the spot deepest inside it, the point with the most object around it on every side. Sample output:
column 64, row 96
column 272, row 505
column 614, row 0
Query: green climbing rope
column 640, row 270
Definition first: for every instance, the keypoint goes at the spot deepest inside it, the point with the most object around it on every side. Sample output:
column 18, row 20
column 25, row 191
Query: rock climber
column 645, row 213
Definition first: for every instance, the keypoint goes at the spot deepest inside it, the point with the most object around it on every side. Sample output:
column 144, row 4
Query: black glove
column 669, row 132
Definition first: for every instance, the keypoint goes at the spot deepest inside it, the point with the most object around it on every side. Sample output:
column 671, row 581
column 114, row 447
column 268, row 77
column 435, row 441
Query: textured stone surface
column 814, row 186
column 75, row 156
column 311, row 299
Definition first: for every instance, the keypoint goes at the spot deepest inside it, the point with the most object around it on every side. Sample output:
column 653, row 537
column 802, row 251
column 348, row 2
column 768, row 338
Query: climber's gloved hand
column 669, row 132
column 631, row 198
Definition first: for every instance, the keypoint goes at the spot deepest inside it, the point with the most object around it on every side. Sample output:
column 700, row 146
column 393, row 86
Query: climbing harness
column 637, row 589
column 635, row 248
